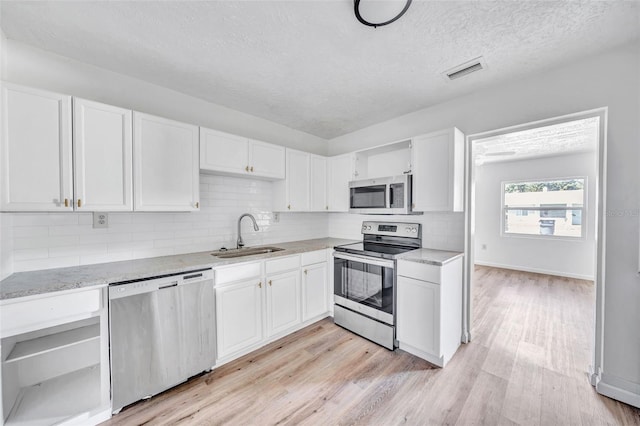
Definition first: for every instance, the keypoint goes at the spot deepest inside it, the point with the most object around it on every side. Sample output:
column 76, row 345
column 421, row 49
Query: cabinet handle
column 197, row 204
column 305, row 272
column 247, row 168
column 66, row 202
column 269, row 283
column 260, row 284
column 79, row 202
column 289, row 206
column 326, row 208
column 251, row 168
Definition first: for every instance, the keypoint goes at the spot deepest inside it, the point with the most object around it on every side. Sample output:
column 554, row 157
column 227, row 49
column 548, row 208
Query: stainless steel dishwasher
column 162, row 332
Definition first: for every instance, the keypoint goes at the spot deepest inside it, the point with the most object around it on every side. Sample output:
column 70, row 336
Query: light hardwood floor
column 526, row 365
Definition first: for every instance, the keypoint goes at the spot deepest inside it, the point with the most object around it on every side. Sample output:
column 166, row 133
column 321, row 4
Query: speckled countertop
column 22, row 284
column 430, row 256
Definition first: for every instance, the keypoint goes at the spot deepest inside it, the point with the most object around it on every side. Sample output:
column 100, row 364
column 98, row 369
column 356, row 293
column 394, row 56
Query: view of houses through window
column 544, row 207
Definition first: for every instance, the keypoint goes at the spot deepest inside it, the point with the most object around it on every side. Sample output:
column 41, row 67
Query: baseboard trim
column 594, row 376
column 617, row 393
column 436, row 360
column 535, row 270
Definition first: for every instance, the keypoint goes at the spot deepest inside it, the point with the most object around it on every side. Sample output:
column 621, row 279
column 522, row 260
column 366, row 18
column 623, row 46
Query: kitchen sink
column 230, row 254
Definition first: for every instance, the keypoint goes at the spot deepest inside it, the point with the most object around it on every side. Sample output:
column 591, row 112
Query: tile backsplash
column 443, row 231
column 31, row 241
column 53, row 240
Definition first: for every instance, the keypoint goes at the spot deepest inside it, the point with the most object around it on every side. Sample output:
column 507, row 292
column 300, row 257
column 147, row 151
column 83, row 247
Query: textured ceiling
column 309, row 64
column 558, row 139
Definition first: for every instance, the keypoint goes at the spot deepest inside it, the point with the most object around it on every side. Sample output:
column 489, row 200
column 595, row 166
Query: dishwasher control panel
column 147, row 285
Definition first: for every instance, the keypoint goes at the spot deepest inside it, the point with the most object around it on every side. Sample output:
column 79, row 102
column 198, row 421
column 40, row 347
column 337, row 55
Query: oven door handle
column 365, row 260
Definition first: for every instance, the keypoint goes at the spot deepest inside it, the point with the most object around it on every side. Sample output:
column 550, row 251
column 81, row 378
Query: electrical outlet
column 276, row 217
column 100, row 220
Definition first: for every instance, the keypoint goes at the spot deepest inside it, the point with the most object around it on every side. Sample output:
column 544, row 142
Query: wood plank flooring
column 532, row 337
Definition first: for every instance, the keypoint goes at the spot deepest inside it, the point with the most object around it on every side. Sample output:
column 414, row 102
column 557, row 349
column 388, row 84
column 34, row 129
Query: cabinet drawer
column 52, row 310
column 312, row 257
column 282, row 264
column 237, row 272
column 419, row 271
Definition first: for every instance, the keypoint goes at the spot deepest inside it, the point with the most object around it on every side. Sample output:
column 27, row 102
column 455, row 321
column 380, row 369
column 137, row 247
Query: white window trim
column 503, row 209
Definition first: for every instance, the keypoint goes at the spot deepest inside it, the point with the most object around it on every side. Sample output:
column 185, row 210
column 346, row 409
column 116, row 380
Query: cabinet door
column 339, row 173
column 438, row 171
column 283, row 302
column 318, row 183
column 419, row 314
column 222, row 152
column 102, row 157
column 266, row 160
column 297, row 180
column 314, row 291
column 36, row 150
column 166, row 164
column 238, row 316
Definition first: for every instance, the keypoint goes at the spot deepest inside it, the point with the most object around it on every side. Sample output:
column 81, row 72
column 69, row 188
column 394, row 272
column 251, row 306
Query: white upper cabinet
column 36, row 150
column 102, row 157
column 266, row 160
column 318, row 183
column 292, row 194
column 438, row 171
column 224, row 153
column 339, row 173
column 166, row 164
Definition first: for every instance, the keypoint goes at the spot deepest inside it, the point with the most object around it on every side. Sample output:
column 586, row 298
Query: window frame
column 583, row 209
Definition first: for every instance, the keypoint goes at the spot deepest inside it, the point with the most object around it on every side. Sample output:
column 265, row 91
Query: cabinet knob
column 252, row 168
column 79, row 202
column 197, row 204
column 260, row 284
column 326, row 208
column 269, row 283
column 305, row 272
column 289, row 206
column 247, row 168
column 66, row 202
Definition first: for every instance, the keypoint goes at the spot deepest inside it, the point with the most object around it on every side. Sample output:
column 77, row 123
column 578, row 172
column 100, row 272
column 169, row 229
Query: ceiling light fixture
column 376, row 13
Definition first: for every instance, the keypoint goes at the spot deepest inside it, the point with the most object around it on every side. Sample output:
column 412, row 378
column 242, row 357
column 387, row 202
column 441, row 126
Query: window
column 544, row 207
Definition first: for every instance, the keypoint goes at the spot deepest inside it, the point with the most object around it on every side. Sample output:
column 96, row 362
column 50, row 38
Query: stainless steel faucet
column 240, row 243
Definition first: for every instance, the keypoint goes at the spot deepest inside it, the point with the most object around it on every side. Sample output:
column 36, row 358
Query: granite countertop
column 430, row 256
column 22, row 284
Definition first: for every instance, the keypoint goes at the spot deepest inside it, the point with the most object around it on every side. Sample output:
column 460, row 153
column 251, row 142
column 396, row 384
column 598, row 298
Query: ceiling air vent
column 467, row 68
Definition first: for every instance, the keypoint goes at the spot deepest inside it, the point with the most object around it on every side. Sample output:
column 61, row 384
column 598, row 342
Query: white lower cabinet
column 429, row 309
column 239, row 316
column 283, row 302
column 55, row 360
column 259, row 302
column 315, row 290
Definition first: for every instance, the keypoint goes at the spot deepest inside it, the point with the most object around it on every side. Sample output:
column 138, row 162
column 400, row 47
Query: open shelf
column 44, row 344
column 75, row 394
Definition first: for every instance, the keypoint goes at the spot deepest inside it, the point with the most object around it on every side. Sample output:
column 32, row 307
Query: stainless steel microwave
column 387, row 195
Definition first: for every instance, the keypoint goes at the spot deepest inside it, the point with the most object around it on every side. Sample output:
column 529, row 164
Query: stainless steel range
column 365, row 279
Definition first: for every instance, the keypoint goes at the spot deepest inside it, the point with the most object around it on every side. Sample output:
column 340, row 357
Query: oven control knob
column 407, row 229
column 414, row 230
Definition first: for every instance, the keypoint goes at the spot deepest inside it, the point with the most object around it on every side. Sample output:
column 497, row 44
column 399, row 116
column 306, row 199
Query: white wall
column 38, row 68
column 609, row 79
column 53, row 240
column 564, row 257
column 6, row 238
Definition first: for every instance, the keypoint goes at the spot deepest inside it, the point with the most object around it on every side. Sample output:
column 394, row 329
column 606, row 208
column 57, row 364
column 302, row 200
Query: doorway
column 538, row 210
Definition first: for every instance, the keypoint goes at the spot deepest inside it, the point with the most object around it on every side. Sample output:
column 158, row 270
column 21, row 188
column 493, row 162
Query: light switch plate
column 100, row 220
